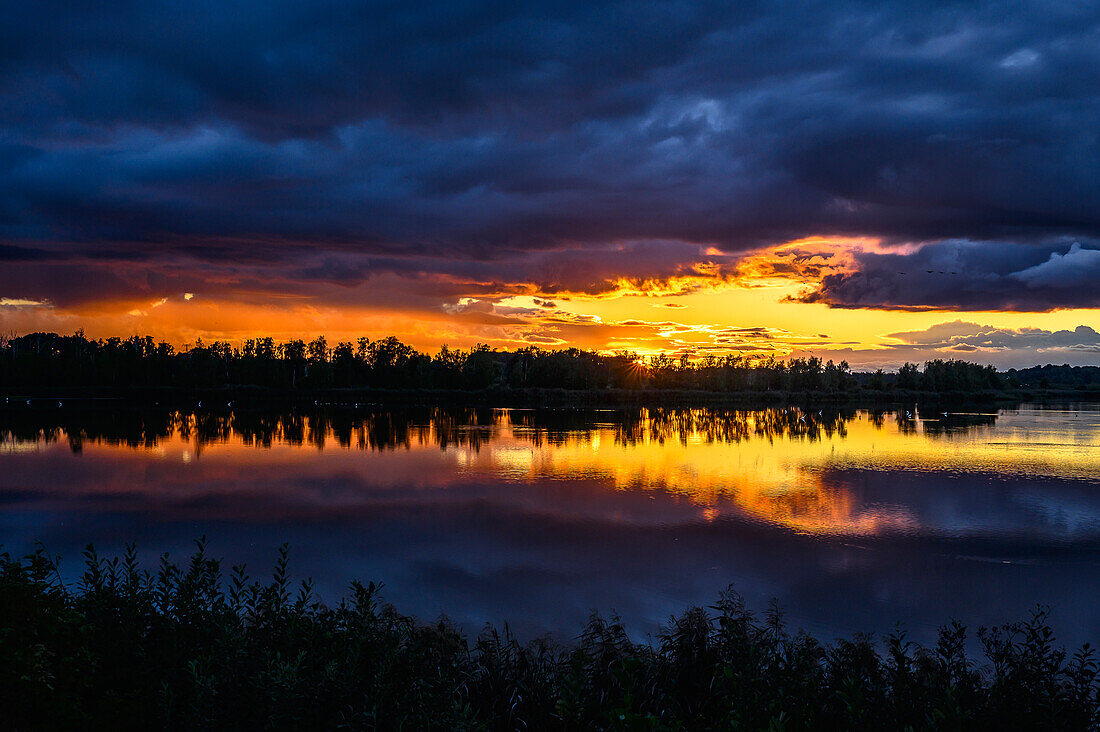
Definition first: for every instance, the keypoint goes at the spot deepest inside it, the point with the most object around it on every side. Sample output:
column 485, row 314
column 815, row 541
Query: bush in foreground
column 189, row 648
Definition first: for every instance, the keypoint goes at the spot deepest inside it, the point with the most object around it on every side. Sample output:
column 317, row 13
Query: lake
column 854, row 520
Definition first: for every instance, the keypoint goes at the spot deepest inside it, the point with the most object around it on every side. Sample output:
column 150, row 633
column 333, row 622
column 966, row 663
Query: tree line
column 49, row 359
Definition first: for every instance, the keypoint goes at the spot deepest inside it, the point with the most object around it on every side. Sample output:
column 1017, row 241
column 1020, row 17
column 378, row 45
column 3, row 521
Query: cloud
column 338, row 277
column 471, row 133
column 419, row 166
column 961, row 335
column 1076, row 268
column 971, row 341
column 966, row 275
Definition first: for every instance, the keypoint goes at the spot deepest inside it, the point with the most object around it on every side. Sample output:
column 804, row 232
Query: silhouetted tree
column 48, row 359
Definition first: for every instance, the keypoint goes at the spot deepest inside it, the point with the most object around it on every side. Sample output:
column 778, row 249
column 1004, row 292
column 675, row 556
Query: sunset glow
column 586, row 364
column 751, row 305
column 881, row 194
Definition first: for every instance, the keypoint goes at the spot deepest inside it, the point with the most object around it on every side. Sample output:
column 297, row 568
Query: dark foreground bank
column 190, row 648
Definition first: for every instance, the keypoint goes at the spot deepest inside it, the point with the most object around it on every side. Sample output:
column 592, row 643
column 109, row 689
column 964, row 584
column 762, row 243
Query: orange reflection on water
column 776, row 475
column 761, row 475
column 776, row 466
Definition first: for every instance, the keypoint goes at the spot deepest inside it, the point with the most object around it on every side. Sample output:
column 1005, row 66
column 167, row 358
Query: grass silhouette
column 191, row 647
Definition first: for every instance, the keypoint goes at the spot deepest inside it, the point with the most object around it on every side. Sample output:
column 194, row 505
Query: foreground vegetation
column 188, row 648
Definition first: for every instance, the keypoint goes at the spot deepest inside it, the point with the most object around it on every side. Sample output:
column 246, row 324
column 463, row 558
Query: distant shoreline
column 215, row 398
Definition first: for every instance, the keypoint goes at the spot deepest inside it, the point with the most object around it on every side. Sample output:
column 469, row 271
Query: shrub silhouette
column 188, row 647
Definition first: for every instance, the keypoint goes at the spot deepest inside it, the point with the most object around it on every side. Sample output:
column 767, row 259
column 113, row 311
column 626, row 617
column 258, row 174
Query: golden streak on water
column 771, row 466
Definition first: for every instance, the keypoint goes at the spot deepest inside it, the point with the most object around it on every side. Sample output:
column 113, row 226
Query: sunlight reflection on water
column 536, row 517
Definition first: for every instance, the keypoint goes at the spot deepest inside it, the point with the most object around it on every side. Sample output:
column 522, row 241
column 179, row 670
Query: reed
column 192, row 647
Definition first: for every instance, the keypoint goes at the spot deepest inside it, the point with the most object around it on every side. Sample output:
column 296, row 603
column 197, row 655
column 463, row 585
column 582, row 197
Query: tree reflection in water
column 542, row 515
column 385, row 429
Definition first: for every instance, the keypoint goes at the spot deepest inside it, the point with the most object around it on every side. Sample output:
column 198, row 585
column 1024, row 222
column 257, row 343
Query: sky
column 868, row 181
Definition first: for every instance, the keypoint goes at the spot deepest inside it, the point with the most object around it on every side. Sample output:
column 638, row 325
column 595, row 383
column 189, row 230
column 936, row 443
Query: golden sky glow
column 654, row 189
column 722, row 303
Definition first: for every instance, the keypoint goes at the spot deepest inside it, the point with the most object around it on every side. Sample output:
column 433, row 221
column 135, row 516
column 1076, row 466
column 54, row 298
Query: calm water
column 853, row 520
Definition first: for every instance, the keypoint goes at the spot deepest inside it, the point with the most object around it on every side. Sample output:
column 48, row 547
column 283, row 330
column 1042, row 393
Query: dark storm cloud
column 461, row 133
column 969, row 276
column 642, row 265
column 12, row 253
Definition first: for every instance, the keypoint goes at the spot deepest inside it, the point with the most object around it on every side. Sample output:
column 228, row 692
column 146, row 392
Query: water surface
column 854, row 520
